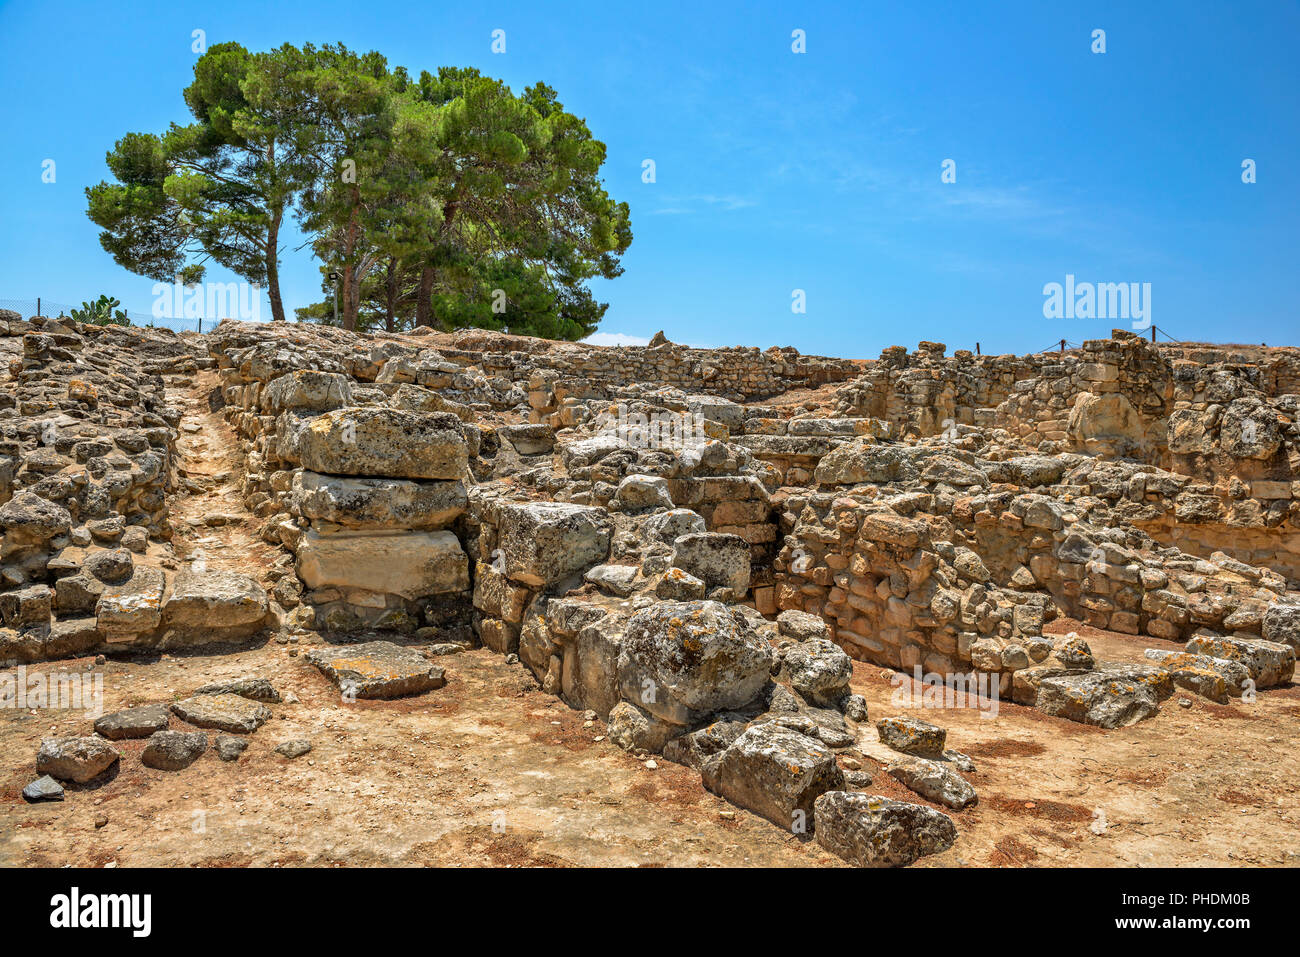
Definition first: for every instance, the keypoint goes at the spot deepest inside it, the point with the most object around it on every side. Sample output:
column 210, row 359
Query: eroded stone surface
column 378, row 669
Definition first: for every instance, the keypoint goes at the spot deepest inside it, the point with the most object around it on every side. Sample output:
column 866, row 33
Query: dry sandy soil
column 424, row 780
column 490, row 771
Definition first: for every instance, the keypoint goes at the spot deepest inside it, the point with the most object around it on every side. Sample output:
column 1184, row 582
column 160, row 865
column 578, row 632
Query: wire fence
column 44, row 307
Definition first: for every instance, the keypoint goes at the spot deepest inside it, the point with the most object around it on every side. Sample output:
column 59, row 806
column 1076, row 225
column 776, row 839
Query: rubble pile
column 660, row 537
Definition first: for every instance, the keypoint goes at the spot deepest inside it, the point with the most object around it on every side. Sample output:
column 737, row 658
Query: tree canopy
column 444, row 199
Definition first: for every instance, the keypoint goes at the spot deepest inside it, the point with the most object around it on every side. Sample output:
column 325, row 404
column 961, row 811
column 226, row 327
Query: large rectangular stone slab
column 409, row 564
column 378, row 669
column 215, row 605
column 222, row 712
column 367, row 440
column 373, row 503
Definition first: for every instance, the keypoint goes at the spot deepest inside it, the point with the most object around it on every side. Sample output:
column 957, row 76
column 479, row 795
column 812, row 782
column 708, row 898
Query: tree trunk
column 273, row 266
column 351, row 283
column 390, row 303
column 423, row 296
column 423, row 315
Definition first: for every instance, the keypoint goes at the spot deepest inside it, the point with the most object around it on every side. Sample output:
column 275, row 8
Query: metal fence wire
column 44, row 307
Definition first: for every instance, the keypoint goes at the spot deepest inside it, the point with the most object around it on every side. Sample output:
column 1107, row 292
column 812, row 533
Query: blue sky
column 778, row 171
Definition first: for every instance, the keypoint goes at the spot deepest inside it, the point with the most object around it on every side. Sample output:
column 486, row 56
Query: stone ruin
column 692, row 545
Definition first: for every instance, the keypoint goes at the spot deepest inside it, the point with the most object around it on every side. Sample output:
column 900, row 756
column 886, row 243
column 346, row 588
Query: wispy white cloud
column 683, row 205
column 616, row 339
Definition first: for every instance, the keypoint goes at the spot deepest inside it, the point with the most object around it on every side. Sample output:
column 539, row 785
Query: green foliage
column 102, row 312
column 445, row 199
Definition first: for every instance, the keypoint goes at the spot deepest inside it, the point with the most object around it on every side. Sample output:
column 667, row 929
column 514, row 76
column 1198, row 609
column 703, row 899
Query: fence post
column 38, row 305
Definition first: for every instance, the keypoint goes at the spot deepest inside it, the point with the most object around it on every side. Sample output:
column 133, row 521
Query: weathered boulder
column 370, row 440
column 215, row 605
column 615, row 579
column 222, row 712
column 682, row 661
column 819, row 670
column 409, row 564
column 719, row 560
column 872, row 831
column 230, row 746
column 378, row 669
column 631, row 728
column 294, row 748
column 677, row 585
column 545, row 542
column 378, row 503
column 1281, row 624
column 1270, row 663
column 1105, row 700
column 77, row 759
column 173, row 750
column 775, row 772
column 668, row 526
column 1213, row 678
column 933, row 780
column 912, row 736
column 138, row 722
column 801, row 626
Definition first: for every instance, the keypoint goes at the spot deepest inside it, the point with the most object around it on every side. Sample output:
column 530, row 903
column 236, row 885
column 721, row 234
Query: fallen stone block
column 1107, row 701
column 934, row 781
column 1281, row 624
column 912, row 736
column 1215, row 678
column 378, row 669
column 1270, row 663
column 819, row 670
column 77, row 759
column 215, row 606
column 44, row 788
column 222, row 712
column 139, row 722
column 871, row 831
column 173, row 750
column 127, row 611
column 776, row 773
column 255, row 689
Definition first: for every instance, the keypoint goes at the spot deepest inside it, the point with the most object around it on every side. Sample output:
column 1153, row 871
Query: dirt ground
column 490, row 771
